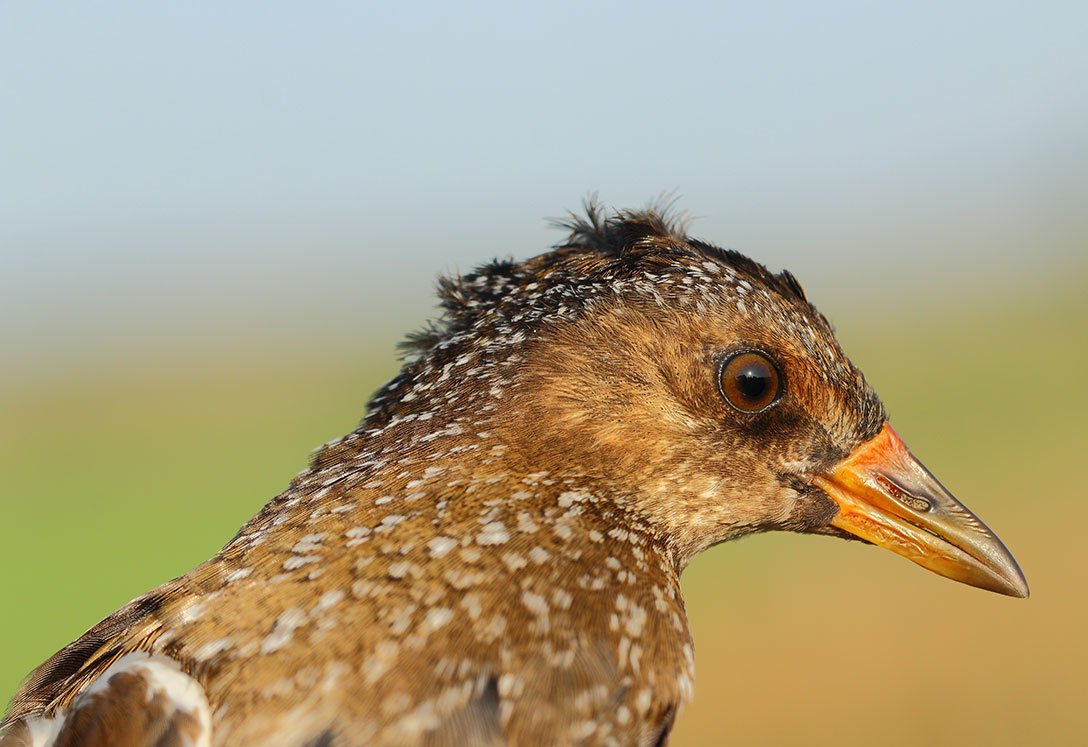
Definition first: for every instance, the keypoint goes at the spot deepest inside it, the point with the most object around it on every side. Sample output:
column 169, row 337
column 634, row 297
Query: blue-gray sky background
column 175, row 176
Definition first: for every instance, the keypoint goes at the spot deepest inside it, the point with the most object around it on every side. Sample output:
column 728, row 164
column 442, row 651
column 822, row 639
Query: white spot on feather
column 436, row 618
column 212, row 648
column 238, row 575
column 297, row 561
column 493, row 533
column 329, row 600
column 283, row 630
column 439, row 546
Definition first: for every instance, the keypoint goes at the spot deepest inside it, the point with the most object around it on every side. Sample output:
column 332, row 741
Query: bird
column 494, row 555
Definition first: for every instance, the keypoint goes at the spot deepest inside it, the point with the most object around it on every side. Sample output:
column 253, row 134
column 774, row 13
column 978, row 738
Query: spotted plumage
column 493, row 556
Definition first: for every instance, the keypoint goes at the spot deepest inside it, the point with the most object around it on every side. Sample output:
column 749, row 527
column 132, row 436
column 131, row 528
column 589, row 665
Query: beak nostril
column 896, row 491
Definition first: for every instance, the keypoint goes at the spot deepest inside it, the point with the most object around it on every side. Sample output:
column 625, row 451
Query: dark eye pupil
column 753, row 381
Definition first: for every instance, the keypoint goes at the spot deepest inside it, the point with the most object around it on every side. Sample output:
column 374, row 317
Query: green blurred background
column 216, row 222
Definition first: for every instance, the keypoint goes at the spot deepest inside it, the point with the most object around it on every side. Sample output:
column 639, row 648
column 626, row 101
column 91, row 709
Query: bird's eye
column 749, row 381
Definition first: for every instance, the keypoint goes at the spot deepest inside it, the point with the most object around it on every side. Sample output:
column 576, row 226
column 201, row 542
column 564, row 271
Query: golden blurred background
column 215, row 223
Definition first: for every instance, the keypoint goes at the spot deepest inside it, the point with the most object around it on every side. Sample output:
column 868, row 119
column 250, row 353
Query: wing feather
column 140, row 701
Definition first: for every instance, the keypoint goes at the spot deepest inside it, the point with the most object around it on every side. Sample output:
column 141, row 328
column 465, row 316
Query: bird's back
column 409, row 603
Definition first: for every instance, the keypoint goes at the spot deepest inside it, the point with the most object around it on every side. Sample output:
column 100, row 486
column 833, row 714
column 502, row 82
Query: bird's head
column 702, row 391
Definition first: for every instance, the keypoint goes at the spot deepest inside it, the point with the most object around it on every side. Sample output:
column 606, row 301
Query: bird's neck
column 543, row 561
column 463, row 471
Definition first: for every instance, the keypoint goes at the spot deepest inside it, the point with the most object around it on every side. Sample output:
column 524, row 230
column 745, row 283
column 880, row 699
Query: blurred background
column 216, row 220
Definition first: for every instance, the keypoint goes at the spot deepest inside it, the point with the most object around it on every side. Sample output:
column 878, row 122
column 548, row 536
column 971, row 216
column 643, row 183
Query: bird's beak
column 886, row 496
